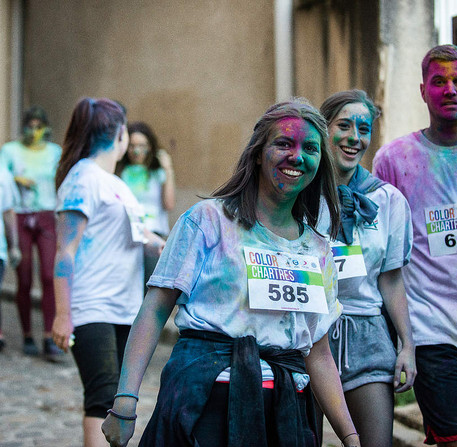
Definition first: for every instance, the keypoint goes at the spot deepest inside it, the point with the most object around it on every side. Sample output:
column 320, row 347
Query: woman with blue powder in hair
column 373, row 243
column 255, row 288
column 99, row 262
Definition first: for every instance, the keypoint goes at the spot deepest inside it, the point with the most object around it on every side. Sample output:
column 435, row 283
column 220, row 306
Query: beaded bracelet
column 127, row 395
column 347, row 436
column 120, row 416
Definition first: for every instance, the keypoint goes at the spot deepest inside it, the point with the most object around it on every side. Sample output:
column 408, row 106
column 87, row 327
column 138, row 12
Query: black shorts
column 98, row 352
column 436, row 391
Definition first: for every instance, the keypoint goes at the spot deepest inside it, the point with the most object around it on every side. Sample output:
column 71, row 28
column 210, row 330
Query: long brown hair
column 239, row 193
column 152, row 161
column 93, row 127
column 334, row 103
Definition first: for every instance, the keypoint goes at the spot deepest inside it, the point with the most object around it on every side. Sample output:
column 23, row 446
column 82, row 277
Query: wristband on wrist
column 121, row 416
column 134, row 396
column 347, row 436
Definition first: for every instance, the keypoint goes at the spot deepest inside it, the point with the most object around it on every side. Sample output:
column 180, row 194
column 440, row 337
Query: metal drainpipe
column 17, row 54
column 283, row 32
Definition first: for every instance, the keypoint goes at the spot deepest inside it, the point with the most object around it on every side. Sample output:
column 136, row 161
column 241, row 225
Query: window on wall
column 445, row 12
column 454, row 30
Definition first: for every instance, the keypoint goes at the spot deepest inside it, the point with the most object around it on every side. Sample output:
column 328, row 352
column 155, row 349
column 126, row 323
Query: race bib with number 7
column 349, row 259
column 284, row 281
column 441, row 224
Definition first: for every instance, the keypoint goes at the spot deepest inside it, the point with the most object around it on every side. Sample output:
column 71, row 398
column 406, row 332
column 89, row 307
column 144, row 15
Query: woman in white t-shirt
column 255, row 288
column 148, row 172
column 373, row 243
column 9, row 246
column 99, row 261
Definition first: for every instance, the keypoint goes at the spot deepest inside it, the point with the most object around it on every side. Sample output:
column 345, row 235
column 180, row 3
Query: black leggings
column 98, row 352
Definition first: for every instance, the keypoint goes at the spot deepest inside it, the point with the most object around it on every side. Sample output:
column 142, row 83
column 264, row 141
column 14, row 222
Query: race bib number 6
column 284, row 281
column 441, row 224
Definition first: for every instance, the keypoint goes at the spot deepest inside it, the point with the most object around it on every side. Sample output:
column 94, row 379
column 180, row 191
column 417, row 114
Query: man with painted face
column 32, row 160
column 423, row 165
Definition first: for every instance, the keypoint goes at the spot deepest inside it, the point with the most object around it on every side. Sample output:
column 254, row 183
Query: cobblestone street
column 41, row 402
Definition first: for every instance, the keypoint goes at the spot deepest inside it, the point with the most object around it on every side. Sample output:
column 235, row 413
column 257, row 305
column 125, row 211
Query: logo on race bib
column 372, row 226
column 441, row 222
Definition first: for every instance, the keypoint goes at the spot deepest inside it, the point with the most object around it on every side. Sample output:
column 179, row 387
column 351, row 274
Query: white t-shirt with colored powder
column 427, row 176
column 9, row 197
column 37, row 165
column 108, row 278
column 204, row 258
column 385, row 245
column 147, row 186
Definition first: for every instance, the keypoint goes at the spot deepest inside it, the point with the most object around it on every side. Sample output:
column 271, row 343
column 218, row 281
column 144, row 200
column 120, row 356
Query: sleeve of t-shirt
column 162, row 175
column 9, row 191
column 330, row 280
column 382, row 168
column 400, row 237
column 5, row 158
column 183, row 257
column 78, row 193
column 57, row 154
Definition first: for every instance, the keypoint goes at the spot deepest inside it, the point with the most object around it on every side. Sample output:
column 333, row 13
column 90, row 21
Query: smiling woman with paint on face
column 99, row 263
column 255, row 288
column 373, row 243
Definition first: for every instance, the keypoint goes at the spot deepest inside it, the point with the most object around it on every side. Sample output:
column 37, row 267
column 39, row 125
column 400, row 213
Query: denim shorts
column 98, row 352
column 363, row 350
column 436, row 391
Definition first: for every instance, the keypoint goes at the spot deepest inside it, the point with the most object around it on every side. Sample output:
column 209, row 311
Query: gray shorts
column 363, row 350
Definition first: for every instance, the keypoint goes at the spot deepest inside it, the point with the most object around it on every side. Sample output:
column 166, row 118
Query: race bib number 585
column 441, row 224
column 284, row 281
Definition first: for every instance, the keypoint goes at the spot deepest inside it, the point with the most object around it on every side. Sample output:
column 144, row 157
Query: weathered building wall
column 5, row 67
column 369, row 44
column 336, row 49
column 200, row 72
column 406, row 34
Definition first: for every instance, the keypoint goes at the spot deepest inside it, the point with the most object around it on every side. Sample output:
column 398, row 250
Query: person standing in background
column 9, row 246
column 33, row 162
column 423, row 166
column 99, row 260
column 148, row 172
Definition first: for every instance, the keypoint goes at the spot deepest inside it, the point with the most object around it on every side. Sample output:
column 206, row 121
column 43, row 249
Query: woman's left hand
column 154, row 244
column 14, row 256
column 62, row 328
column 406, row 362
column 165, row 160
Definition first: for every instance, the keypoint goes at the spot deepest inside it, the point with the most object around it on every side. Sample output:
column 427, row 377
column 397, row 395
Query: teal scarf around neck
column 352, row 199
